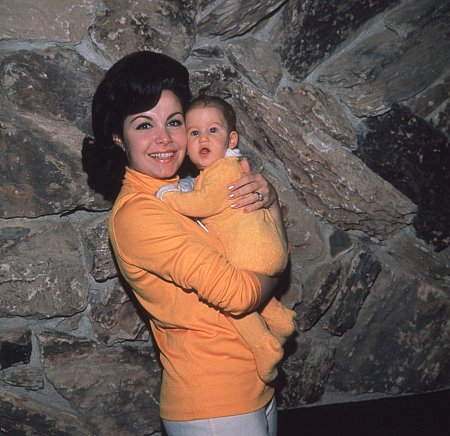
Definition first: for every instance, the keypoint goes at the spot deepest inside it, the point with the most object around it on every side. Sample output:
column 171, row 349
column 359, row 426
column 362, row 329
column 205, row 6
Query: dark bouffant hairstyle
column 220, row 104
column 133, row 84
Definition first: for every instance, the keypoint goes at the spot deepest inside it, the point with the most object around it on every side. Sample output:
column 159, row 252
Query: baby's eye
column 213, row 129
column 194, row 133
column 144, row 125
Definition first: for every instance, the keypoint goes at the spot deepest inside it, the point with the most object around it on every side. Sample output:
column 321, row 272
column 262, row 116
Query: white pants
column 262, row 422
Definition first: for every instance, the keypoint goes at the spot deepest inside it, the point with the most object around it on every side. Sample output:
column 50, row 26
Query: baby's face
column 208, row 136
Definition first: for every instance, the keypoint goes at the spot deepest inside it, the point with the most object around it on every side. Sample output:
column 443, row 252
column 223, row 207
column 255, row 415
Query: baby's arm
column 209, row 197
column 207, row 201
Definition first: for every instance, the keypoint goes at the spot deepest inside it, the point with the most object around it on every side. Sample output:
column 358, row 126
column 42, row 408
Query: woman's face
column 155, row 141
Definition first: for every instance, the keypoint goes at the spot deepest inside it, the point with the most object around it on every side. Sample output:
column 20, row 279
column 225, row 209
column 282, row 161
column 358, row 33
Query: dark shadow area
column 105, row 168
column 414, row 156
column 415, row 415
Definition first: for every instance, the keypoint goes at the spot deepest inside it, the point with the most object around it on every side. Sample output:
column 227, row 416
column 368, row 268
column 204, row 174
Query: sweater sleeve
column 209, row 196
column 148, row 236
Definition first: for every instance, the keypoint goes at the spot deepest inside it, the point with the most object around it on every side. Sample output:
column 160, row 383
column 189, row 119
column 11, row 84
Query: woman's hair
column 218, row 103
column 133, row 84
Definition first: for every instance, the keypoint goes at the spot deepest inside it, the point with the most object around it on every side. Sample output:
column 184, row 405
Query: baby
column 252, row 241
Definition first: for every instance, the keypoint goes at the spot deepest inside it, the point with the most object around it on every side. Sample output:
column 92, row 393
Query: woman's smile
column 162, row 156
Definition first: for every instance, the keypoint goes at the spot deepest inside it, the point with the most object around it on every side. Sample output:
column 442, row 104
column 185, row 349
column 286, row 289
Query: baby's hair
column 220, row 104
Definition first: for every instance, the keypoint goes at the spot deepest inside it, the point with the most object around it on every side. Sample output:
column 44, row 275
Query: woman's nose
column 163, row 136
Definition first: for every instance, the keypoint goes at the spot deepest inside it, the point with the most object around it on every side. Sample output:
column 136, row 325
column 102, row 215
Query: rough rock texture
column 307, row 32
column 23, row 414
column 15, row 347
column 80, row 370
column 344, row 106
column 64, row 21
column 114, row 317
column 245, row 56
column 415, row 158
column 360, row 278
column 331, row 181
column 232, row 18
column 161, row 25
column 320, row 292
column 102, row 262
column 306, row 372
column 369, row 75
column 432, row 105
column 44, row 108
column 407, row 327
column 41, row 271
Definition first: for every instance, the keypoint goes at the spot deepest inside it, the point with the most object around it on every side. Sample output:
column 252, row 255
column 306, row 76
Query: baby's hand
column 166, row 188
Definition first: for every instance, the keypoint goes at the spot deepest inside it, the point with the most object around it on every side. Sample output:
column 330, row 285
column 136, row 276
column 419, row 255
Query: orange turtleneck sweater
column 179, row 274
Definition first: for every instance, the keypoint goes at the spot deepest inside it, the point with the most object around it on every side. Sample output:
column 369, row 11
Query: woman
column 177, row 269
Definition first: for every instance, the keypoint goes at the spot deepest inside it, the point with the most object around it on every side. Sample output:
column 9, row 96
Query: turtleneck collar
column 143, row 182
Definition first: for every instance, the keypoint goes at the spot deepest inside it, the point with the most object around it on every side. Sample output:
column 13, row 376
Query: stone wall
column 343, row 105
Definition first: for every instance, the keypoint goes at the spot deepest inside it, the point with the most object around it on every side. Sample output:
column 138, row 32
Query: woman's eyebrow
column 175, row 113
column 148, row 117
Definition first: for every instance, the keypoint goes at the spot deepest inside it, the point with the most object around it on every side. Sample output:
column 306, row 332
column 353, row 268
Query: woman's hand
column 262, row 193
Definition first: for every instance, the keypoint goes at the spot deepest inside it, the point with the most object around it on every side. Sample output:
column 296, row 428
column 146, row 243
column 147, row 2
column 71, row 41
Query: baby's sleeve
column 208, row 198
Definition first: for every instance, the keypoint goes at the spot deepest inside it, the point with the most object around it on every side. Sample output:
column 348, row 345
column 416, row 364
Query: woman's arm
column 148, row 237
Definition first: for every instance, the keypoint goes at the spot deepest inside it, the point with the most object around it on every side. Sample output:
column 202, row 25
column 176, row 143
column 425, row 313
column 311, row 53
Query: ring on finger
column 260, row 196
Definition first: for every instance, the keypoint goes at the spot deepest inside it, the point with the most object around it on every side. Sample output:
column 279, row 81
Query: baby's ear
column 234, row 139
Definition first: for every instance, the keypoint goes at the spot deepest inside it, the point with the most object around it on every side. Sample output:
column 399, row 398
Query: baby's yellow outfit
column 251, row 241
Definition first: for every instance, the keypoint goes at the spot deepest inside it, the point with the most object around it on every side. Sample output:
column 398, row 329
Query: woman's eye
column 143, row 126
column 175, row 122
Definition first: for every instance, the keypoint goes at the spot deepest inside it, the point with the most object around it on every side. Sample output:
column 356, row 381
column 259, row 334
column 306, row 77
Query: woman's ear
column 118, row 141
column 234, row 139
